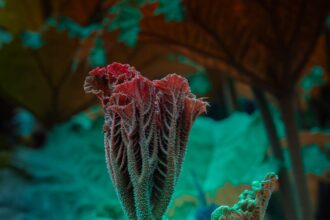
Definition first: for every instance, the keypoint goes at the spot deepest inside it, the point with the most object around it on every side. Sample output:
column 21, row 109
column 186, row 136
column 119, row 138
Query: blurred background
column 263, row 66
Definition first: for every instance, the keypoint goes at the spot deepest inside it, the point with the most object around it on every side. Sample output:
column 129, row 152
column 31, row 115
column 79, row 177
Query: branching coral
column 252, row 204
column 146, row 129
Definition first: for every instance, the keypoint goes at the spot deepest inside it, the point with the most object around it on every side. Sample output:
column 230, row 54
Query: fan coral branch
column 252, row 204
column 146, row 130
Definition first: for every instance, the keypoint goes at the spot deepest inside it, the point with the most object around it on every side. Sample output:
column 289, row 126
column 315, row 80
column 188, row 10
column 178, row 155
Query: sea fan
column 146, row 129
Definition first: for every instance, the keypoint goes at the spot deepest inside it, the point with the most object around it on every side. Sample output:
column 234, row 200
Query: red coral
column 102, row 80
column 147, row 125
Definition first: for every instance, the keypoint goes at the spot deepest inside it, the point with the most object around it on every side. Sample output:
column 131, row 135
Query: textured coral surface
column 252, row 203
column 146, row 130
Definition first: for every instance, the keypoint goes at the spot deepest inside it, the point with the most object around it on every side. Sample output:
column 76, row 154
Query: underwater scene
column 164, row 110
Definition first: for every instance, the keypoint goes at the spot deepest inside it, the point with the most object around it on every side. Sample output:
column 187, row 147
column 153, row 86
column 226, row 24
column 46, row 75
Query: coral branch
column 252, row 203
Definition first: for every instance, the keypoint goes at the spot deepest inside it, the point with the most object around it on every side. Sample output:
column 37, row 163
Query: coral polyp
column 146, row 129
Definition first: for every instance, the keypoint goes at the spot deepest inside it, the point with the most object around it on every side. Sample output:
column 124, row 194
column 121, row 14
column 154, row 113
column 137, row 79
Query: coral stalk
column 146, row 129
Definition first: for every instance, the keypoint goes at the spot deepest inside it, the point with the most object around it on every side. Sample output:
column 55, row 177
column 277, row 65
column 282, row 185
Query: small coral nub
column 252, row 203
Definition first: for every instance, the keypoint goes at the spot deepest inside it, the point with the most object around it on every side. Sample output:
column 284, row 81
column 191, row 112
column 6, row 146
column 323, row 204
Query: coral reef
column 252, row 203
column 146, row 129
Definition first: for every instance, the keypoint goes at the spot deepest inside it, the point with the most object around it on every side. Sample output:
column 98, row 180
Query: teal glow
column 235, row 136
column 327, row 22
column 25, row 122
column 315, row 160
column 172, row 10
column 2, row 3
column 312, row 79
column 5, row 37
column 199, row 83
column 32, row 39
column 127, row 20
column 97, row 56
column 74, row 29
